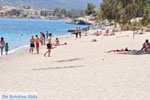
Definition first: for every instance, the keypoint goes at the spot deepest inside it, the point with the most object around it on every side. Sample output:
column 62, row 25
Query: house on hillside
column 31, row 13
column 4, row 13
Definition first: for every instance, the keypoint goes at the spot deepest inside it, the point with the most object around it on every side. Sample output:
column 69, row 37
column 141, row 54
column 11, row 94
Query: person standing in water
column 6, row 48
column 49, row 46
column 37, row 40
column 47, row 34
column 32, row 40
column 2, row 44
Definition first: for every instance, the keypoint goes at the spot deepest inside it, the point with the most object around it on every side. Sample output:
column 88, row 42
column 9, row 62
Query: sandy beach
column 81, row 70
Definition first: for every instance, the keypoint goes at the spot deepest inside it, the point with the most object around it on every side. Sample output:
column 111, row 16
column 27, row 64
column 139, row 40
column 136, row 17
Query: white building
column 31, row 13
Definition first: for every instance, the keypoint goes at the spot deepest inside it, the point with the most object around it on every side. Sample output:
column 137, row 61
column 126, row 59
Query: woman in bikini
column 2, row 44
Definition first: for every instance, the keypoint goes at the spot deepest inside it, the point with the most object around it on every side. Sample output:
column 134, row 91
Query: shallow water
column 11, row 30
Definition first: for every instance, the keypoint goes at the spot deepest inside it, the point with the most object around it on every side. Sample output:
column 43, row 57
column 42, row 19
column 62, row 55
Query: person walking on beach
column 6, row 48
column 32, row 45
column 76, row 33
column 37, row 40
column 79, row 31
column 49, row 46
column 2, row 44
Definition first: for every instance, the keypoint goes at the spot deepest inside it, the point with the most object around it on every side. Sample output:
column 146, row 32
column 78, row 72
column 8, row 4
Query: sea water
column 17, row 32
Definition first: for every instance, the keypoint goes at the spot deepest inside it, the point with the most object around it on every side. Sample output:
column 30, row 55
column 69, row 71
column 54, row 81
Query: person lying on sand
column 122, row 50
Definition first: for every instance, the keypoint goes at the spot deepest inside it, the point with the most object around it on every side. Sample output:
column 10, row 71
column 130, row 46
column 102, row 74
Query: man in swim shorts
column 37, row 40
column 32, row 40
column 49, row 46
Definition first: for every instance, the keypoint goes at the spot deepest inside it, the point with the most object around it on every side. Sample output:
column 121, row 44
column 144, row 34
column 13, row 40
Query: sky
column 51, row 4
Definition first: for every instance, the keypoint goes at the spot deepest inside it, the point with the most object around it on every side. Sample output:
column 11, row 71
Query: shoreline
column 27, row 46
column 82, row 69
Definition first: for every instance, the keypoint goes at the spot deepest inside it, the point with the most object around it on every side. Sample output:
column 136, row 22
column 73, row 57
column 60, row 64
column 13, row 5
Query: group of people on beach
column 107, row 33
column 36, row 43
column 78, row 32
column 3, row 45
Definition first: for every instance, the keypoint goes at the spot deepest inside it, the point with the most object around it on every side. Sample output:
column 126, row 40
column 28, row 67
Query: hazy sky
column 68, row 4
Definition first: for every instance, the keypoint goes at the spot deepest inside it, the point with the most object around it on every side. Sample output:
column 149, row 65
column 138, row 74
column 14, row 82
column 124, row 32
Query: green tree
column 90, row 9
column 14, row 13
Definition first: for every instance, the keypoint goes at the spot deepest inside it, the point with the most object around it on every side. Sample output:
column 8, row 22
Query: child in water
column 6, row 48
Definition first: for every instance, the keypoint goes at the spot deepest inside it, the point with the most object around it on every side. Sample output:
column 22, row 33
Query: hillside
column 51, row 4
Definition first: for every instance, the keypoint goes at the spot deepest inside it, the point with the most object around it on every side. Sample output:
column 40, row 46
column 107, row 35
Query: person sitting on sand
column 32, row 40
column 106, row 33
column 2, row 44
column 49, row 46
column 57, row 42
column 142, row 31
column 6, row 48
column 37, row 40
column 146, row 46
column 97, row 33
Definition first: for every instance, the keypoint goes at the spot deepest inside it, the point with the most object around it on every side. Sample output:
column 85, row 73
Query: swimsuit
column 1, row 45
column 37, row 45
column 49, row 46
column 32, row 45
column 6, row 47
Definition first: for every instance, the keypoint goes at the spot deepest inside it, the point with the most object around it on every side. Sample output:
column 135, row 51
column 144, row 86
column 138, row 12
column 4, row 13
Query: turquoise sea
column 11, row 30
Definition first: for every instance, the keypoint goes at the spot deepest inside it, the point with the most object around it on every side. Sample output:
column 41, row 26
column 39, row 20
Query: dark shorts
column 76, row 34
column 49, row 46
column 79, row 33
column 32, row 45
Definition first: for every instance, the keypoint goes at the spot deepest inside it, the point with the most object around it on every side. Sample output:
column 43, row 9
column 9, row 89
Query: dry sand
column 82, row 70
